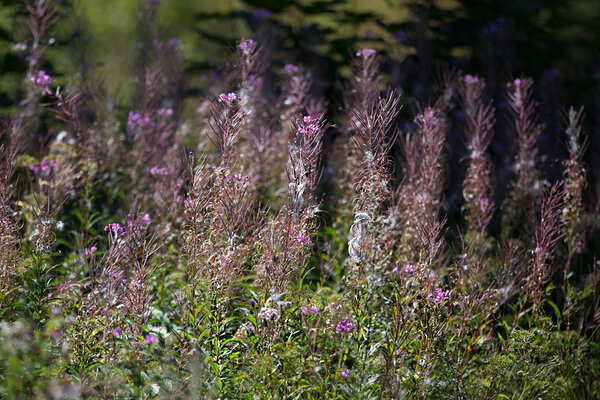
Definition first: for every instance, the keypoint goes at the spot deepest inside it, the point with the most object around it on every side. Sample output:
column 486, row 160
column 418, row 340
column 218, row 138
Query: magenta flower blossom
column 304, row 239
column 151, row 339
column 289, row 69
column 439, row 295
column 136, row 120
column 42, row 81
column 159, row 171
column 428, row 116
column 344, row 326
column 238, row 177
column 314, row 310
column 117, row 332
column 229, row 98
column 307, row 125
column 409, row 270
column 246, row 46
column 165, row 111
column 304, row 310
column 471, row 79
column 90, row 251
column 345, row 373
column 115, row 227
column 365, row 53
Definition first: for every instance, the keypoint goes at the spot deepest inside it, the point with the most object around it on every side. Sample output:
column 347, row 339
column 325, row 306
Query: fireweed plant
column 270, row 247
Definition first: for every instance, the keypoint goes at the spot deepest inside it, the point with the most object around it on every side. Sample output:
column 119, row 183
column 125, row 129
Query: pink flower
column 439, row 295
column 151, row 339
column 90, row 251
column 229, row 98
column 365, row 53
column 115, row 227
column 345, row 373
column 307, row 125
column 304, row 239
column 117, row 332
column 159, row 171
column 314, row 310
column 165, row 111
column 409, row 270
column 42, row 80
column 246, row 46
column 344, row 326
column 471, row 79
column 304, row 310
column 289, row 69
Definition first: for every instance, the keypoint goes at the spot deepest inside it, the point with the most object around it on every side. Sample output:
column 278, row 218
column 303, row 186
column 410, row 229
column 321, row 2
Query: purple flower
column 304, row 239
column 261, row 13
column 365, row 53
column 115, row 227
column 159, row 171
column 246, row 46
column 428, row 116
column 307, row 125
column 396, row 269
column 409, row 270
column 173, row 42
column 400, row 35
column 238, row 177
column 134, row 120
column 304, row 310
column 314, row 310
column 151, row 339
column 439, row 295
column 471, row 79
column 117, row 332
column 228, row 98
column 45, row 167
column 345, row 373
column 42, row 80
column 289, row 69
column 90, row 251
column 165, row 111
column 35, row 169
column 344, row 326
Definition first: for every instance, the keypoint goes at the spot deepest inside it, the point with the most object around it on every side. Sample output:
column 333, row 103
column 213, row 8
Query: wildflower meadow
column 306, row 200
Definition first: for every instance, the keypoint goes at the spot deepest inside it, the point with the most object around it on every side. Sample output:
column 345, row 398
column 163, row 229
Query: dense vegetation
column 294, row 230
